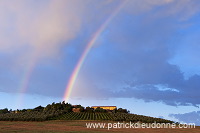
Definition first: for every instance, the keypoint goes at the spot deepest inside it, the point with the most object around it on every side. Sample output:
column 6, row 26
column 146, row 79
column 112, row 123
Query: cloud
column 143, row 6
column 43, row 27
column 183, row 9
column 134, row 63
column 191, row 117
column 130, row 60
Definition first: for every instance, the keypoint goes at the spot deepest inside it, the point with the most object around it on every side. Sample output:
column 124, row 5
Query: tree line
column 64, row 111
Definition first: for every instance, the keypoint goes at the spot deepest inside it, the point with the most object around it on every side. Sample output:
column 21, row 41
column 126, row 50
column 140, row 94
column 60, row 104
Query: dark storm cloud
column 146, row 64
column 191, row 117
column 134, row 62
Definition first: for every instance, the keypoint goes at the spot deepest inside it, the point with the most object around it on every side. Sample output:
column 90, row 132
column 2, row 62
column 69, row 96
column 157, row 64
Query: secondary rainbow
column 25, row 81
column 77, row 68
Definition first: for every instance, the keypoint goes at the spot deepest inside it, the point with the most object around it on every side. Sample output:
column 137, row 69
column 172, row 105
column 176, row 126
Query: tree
column 98, row 109
column 39, row 108
column 4, row 111
column 88, row 109
column 122, row 110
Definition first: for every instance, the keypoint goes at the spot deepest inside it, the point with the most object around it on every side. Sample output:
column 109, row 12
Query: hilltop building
column 76, row 110
column 105, row 107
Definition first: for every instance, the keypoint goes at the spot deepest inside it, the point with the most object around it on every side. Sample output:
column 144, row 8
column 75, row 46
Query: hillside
column 64, row 111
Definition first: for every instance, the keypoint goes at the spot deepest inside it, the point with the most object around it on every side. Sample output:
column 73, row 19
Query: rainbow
column 77, row 68
column 25, row 82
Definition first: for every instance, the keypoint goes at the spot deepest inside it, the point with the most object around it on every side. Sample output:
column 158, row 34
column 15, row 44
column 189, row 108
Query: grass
column 61, row 126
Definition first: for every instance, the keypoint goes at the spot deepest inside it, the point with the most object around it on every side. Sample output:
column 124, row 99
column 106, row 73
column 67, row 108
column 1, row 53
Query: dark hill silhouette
column 64, row 111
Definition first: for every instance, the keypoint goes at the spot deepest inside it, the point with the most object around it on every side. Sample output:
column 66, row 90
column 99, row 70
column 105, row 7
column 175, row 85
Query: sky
column 142, row 55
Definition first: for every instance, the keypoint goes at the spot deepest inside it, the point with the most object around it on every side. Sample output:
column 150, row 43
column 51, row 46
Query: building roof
column 104, row 106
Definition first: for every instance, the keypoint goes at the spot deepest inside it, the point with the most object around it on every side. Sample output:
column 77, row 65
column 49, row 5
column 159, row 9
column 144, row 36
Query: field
column 59, row 118
column 75, row 126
